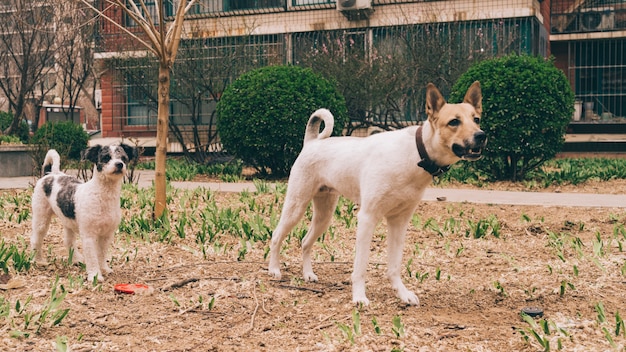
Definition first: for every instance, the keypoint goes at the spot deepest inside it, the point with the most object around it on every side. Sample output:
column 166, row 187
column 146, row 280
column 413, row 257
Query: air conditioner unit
column 355, row 10
column 353, row 5
column 597, row 18
column 562, row 23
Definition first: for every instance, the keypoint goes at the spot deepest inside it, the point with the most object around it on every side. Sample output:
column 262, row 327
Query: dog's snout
column 480, row 137
column 119, row 165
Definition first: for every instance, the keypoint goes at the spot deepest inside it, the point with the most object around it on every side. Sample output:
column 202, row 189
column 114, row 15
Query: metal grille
column 590, row 50
column 382, row 64
column 596, row 70
column 383, row 71
column 580, row 16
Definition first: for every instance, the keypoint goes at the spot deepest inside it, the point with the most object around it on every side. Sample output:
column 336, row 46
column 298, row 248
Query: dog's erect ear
column 474, row 96
column 91, row 153
column 130, row 151
column 434, row 100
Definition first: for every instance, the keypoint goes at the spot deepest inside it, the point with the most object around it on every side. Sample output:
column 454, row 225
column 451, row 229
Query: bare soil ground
column 566, row 261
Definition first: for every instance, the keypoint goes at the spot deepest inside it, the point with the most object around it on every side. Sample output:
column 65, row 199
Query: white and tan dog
column 91, row 209
column 382, row 175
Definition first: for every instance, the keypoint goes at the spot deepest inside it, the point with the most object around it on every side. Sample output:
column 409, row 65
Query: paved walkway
column 432, row 194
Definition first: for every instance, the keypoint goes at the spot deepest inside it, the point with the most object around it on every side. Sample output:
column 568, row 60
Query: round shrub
column 527, row 105
column 262, row 116
column 67, row 137
column 6, row 119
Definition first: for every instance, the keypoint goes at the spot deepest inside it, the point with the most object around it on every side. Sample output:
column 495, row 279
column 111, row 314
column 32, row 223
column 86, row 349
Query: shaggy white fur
column 91, row 209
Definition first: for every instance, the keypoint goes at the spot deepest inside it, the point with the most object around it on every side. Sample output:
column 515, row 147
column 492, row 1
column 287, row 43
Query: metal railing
column 579, row 16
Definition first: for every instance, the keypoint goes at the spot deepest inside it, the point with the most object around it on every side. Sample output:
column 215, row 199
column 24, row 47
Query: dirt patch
column 218, row 296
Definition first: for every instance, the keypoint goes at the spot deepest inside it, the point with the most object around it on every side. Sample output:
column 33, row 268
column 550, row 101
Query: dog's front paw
column 360, row 300
column 358, row 291
column 310, row 276
column 91, row 276
column 275, row 273
column 408, row 297
column 106, row 270
column 77, row 257
column 39, row 257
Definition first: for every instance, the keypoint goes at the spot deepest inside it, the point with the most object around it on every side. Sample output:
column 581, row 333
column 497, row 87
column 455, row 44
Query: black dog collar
column 426, row 163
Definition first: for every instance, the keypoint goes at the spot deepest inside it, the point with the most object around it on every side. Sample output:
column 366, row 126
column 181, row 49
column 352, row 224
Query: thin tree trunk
column 160, row 203
column 17, row 117
column 164, row 45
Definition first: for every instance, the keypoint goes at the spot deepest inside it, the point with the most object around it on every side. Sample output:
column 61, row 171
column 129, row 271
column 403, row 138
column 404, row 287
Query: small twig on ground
column 104, row 315
column 156, row 279
column 322, row 323
column 194, row 265
column 256, row 309
column 263, row 307
column 448, row 336
column 181, row 312
column 289, row 287
column 329, row 324
column 179, row 284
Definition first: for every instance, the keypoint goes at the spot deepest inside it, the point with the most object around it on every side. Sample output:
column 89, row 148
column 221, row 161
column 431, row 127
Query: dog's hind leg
column 324, row 205
column 293, row 210
column 41, row 223
column 397, row 226
column 42, row 214
column 366, row 223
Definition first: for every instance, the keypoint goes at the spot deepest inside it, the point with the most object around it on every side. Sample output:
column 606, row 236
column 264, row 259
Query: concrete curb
column 589, row 200
column 431, row 194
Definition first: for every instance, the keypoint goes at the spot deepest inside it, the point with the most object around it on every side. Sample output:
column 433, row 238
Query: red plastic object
column 131, row 288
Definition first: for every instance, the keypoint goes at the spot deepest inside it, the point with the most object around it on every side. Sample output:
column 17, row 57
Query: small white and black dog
column 91, row 209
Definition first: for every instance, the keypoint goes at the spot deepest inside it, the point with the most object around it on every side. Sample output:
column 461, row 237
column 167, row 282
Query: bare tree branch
column 27, row 49
column 165, row 51
column 119, row 26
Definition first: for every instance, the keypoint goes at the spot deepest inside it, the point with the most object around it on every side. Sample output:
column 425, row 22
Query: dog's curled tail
column 51, row 163
column 313, row 126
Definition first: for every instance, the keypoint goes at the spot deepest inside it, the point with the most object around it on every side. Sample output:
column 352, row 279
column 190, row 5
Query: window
column 182, row 115
column 141, row 111
column 206, row 7
column 233, row 5
column 152, row 11
column 311, row 2
column 141, row 115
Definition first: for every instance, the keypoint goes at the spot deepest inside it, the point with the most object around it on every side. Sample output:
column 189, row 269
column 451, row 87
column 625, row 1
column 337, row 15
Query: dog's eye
column 105, row 158
column 477, row 120
column 454, row 123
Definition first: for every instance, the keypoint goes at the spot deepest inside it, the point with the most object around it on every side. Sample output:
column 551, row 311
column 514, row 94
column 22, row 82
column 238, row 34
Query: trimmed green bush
column 527, row 105
column 6, row 119
column 262, row 116
column 67, row 137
